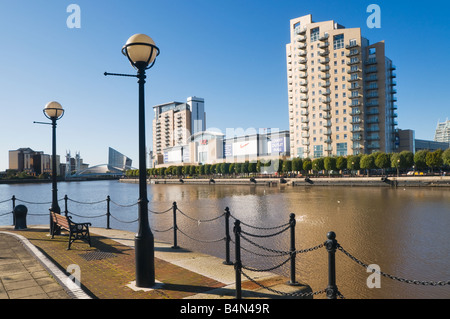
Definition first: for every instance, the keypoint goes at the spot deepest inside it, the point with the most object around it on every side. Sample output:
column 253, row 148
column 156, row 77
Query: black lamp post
column 141, row 51
column 54, row 111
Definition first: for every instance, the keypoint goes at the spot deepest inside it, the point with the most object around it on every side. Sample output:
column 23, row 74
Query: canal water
column 404, row 231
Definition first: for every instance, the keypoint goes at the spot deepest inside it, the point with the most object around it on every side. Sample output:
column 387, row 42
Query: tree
column 307, row 165
column 252, row 167
column 353, row 162
column 287, row 166
column 192, row 170
column 330, row 164
column 409, row 158
column 341, row 163
column 207, row 169
column 297, row 164
column 244, row 167
column 224, row 168
column 367, row 162
column 446, row 157
column 318, row 164
column 231, row 168
column 420, row 159
column 434, row 159
column 383, row 161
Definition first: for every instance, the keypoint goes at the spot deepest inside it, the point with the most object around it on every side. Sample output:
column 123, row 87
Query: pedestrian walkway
column 32, row 265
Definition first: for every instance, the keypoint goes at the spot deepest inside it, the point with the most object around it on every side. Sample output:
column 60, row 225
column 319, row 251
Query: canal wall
column 409, row 181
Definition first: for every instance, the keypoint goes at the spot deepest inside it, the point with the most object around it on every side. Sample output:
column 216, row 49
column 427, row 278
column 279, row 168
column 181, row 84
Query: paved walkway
column 32, row 265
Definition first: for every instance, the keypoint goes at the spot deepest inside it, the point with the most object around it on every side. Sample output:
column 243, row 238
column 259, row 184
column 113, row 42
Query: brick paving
column 107, row 271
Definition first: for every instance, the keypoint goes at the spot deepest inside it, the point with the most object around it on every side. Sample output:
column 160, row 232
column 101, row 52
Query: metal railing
column 331, row 245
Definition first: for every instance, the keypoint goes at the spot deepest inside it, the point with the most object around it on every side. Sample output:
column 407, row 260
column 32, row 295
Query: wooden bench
column 76, row 230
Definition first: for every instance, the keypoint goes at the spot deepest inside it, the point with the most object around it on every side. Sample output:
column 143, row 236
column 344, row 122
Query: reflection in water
column 404, row 231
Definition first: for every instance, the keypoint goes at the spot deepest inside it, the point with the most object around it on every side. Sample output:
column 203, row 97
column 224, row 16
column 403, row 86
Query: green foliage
column 434, row 159
column 446, row 157
column 330, row 163
column 341, row 163
column 307, row 164
column 420, row 159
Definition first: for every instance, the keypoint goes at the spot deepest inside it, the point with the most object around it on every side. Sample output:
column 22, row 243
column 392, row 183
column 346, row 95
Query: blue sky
column 231, row 53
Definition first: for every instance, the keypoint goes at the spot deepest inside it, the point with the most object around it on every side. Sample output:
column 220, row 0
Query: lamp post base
column 144, row 255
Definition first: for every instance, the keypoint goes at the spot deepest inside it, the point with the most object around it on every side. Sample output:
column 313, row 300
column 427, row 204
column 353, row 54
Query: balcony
column 325, row 69
column 303, row 61
column 354, row 86
column 328, row 132
column 303, row 75
column 353, row 78
column 352, row 53
column 355, row 103
column 327, row 124
column 327, row 100
column 373, row 77
column 372, row 95
column 373, row 138
column 301, row 46
column 301, row 38
column 302, row 53
column 305, row 135
column 304, row 112
column 324, row 52
column 326, row 108
column 370, row 61
column 302, row 68
column 372, row 121
column 300, row 30
column 373, row 112
column 324, row 45
column 353, row 96
column 324, row 61
column 326, row 92
column 304, row 105
column 305, row 127
column 351, row 45
column 356, row 137
column 304, row 82
column 327, row 116
column 305, row 142
column 371, row 70
column 325, row 84
column 325, row 76
column 356, row 120
column 372, row 103
column 328, row 141
column 304, row 97
column 324, row 37
column 355, row 111
column 353, row 70
column 304, row 90
column 305, row 120
column 353, row 61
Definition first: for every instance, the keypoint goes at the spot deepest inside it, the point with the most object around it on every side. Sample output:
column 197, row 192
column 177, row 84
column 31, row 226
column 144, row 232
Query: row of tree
column 421, row 160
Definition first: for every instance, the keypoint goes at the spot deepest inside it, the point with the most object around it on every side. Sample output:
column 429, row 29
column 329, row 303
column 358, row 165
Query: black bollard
column 66, row 212
column 108, row 212
column 20, row 216
column 13, row 206
column 175, row 227
column 227, row 237
column 331, row 245
column 292, row 223
column 237, row 262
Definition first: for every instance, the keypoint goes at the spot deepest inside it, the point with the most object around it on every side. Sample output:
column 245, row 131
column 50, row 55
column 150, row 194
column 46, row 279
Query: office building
column 209, row 147
column 341, row 91
column 175, row 122
column 118, row 160
column 442, row 133
column 30, row 161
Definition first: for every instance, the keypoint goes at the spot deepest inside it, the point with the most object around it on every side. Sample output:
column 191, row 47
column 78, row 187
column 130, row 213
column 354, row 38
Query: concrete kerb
column 69, row 286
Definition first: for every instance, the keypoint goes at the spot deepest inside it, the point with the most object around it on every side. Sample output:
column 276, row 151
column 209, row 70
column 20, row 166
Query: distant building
column 175, row 122
column 30, row 161
column 442, row 133
column 74, row 164
column 408, row 142
column 209, row 147
column 118, row 160
column 341, row 91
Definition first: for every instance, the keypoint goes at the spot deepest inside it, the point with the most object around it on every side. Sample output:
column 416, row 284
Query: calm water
column 404, row 231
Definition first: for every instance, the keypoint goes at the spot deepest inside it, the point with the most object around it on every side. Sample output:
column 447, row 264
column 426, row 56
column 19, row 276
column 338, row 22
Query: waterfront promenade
column 34, row 266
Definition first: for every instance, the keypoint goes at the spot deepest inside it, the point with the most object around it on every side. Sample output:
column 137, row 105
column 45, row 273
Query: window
column 338, row 41
column 314, row 34
column 341, row 149
column 318, row 151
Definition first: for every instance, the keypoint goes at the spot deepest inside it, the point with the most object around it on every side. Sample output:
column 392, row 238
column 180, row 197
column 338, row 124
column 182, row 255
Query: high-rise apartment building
column 31, row 162
column 442, row 133
column 175, row 122
column 341, row 91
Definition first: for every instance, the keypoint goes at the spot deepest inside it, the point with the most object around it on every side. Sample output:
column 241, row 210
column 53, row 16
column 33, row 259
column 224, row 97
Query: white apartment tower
column 341, row 91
